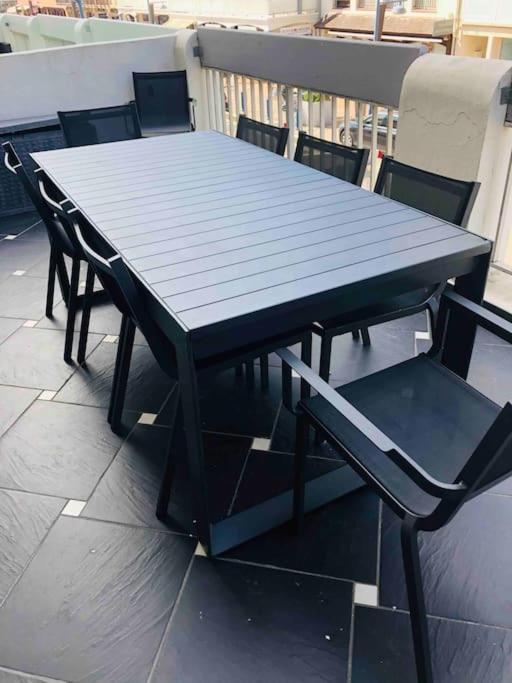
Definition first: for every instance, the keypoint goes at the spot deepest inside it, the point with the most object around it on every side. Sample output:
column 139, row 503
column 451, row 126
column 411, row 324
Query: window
column 425, row 5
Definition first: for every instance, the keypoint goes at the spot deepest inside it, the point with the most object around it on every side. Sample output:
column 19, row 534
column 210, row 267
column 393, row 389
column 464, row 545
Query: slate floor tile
column 9, row 676
column 94, row 602
column 230, row 405
column 105, row 319
column 36, row 231
column 491, row 371
column 238, row 622
column 33, row 358
column 339, row 540
column 13, row 402
column 25, row 254
column 268, row 474
column 57, row 449
column 465, row 565
column 148, row 385
column 461, row 652
column 24, row 520
column 23, row 297
column 13, row 225
column 351, row 360
column 8, row 326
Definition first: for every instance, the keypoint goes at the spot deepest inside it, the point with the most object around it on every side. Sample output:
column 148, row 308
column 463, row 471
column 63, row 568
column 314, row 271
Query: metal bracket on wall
column 506, row 98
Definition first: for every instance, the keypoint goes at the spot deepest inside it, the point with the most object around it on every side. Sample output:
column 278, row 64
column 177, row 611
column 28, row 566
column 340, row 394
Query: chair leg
column 412, row 567
column 86, row 315
column 173, row 448
column 355, row 335
column 325, row 356
column 72, row 307
column 50, row 291
column 120, row 381
column 299, row 484
column 366, row 336
column 62, row 275
column 264, row 372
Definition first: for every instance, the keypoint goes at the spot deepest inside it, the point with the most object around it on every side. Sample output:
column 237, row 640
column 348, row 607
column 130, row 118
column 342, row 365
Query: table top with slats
column 220, row 230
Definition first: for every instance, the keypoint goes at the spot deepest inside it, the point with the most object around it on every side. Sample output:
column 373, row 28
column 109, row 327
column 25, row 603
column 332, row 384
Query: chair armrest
column 490, row 321
column 363, row 425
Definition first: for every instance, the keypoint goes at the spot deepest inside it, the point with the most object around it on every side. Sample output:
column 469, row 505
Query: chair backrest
column 57, row 232
column 96, row 126
column 162, row 100
column 446, row 198
column 263, row 135
column 123, row 288
column 346, row 163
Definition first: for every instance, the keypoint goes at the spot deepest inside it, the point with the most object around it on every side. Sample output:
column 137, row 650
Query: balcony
column 92, row 586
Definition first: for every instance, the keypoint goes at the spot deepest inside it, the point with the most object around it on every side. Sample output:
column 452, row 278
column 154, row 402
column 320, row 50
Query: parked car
column 382, row 131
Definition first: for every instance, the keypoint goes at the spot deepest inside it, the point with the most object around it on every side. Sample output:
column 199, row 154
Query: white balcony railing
column 354, row 122
column 425, row 5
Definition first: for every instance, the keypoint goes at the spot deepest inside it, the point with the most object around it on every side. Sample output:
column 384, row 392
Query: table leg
column 194, row 442
column 460, row 331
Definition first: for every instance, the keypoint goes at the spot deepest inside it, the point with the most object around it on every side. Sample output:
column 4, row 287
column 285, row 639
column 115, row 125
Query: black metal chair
column 128, row 296
column 57, row 203
column 346, row 163
column 61, row 244
column 262, row 135
column 96, row 126
column 423, row 439
column 446, row 198
column 163, row 103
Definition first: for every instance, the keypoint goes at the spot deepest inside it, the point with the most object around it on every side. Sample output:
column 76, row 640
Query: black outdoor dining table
column 235, row 244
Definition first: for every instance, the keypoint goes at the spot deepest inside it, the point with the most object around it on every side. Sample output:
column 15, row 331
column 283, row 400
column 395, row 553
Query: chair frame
column 55, row 201
column 67, row 134
column 362, row 154
column 140, row 75
column 489, row 463
column 431, row 301
column 56, row 266
column 282, row 139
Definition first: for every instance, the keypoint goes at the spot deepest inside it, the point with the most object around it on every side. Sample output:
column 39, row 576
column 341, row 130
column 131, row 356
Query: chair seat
column 394, row 307
column 429, row 412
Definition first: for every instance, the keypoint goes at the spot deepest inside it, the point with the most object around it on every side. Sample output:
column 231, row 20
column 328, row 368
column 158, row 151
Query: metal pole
column 151, row 12
column 380, row 10
column 80, row 5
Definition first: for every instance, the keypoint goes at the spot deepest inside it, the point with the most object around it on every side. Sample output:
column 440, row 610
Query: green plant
column 311, row 96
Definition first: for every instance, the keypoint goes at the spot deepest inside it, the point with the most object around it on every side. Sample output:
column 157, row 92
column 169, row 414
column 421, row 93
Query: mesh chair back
column 96, row 126
column 449, row 199
column 162, row 101
column 263, row 135
column 346, row 163
column 123, row 288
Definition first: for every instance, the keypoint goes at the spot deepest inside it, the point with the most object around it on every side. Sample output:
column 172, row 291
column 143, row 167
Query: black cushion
column 429, row 412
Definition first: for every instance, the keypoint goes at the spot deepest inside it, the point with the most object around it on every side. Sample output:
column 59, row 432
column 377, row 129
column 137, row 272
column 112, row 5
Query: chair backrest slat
column 97, row 126
column 446, row 198
column 346, row 163
column 262, row 135
column 162, row 100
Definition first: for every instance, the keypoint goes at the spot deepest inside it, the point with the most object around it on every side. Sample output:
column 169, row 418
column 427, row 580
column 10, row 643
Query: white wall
column 42, row 82
column 452, row 123
column 42, row 31
column 492, row 11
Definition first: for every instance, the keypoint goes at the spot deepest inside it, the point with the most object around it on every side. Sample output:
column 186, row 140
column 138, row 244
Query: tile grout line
column 169, row 622
column 239, row 482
